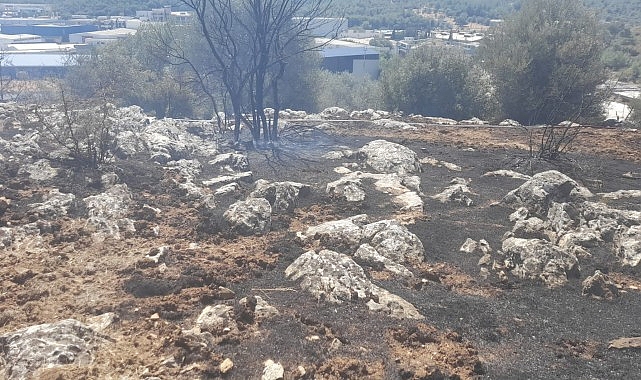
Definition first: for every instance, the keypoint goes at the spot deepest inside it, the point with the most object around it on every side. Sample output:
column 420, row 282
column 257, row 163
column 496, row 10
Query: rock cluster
column 334, row 273
column 556, row 225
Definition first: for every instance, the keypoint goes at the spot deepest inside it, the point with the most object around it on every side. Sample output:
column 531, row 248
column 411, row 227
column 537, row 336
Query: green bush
column 437, row 81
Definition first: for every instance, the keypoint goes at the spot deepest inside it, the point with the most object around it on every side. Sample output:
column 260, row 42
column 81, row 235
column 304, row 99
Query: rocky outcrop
column 389, row 238
column 544, row 188
column 405, row 190
column 164, row 140
column 334, row 113
column 251, row 216
column 394, row 125
column 68, row 342
column 537, row 259
column 40, row 170
column 107, row 212
column 627, row 243
column 388, row 157
column 282, row 196
column 507, row 173
column 335, row 277
column 439, row 163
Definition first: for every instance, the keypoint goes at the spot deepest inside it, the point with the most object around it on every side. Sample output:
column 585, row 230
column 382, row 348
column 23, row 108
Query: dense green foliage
column 130, row 72
column 545, row 62
column 347, row 91
column 436, row 81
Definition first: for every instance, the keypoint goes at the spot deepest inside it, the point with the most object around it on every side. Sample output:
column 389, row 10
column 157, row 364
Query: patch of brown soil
column 339, row 368
column 453, row 279
column 611, row 142
column 423, row 352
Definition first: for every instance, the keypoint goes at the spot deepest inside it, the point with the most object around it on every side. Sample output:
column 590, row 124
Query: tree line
column 541, row 66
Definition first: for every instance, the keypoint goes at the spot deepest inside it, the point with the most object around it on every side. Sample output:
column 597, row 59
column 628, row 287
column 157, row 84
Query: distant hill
column 370, row 13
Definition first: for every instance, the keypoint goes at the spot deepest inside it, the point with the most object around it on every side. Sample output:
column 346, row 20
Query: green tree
column 436, row 81
column 545, row 62
column 132, row 72
column 347, row 91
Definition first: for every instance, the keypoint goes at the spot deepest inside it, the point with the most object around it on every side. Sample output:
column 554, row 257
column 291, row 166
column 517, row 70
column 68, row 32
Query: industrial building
column 48, row 32
column 345, row 56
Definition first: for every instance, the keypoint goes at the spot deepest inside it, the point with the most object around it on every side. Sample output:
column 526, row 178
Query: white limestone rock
column 539, row 260
column 335, row 277
column 544, row 188
column 388, row 157
column 67, row 342
column 251, row 216
column 282, row 196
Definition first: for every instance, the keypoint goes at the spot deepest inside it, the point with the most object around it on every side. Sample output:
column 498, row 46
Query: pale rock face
column 457, row 192
column 334, row 113
column 388, row 157
column 251, row 216
column 540, row 260
column 343, row 235
column 273, row 371
column 231, row 162
column 347, row 188
column 394, row 124
column 262, row 309
column 47, row 345
column 335, row 277
column 627, row 244
column 600, row 285
column 544, row 188
column 507, row 173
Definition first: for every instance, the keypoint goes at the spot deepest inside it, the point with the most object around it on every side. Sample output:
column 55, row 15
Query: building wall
column 361, row 65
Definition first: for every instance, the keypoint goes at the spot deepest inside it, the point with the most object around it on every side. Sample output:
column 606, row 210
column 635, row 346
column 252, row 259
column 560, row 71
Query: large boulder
column 544, row 188
column 394, row 241
column 282, row 196
column 68, row 342
column 335, row 277
column 537, row 259
column 251, row 216
column 344, row 235
column 388, row 157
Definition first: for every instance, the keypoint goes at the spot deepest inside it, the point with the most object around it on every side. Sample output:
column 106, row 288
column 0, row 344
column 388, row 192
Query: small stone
column 301, row 371
column 225, row 293
column 273, row 371
column 154, row 317
column 486, row 259
column 226, row 366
